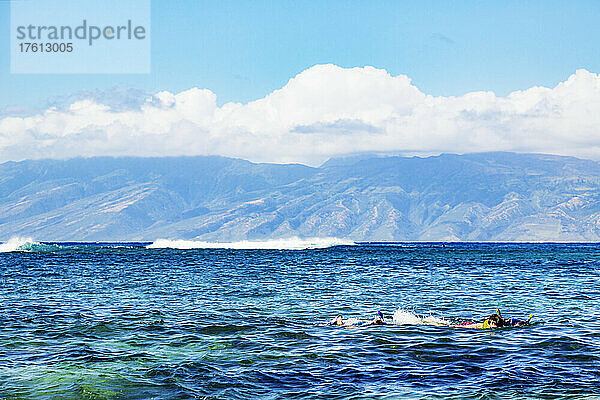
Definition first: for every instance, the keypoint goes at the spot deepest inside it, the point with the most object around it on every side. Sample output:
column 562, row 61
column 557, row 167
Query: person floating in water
column 494, row 321
column 339, row 321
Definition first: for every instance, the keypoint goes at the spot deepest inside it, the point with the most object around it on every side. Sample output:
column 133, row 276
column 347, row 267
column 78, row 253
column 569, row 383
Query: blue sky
column 243, row 50
column 303, row 81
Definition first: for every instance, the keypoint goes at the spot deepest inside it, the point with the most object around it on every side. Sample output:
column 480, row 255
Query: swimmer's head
column 495, row 321
column 339, row 321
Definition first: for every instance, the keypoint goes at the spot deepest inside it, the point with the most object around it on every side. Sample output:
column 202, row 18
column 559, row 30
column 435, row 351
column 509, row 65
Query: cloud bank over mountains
column 324, row 111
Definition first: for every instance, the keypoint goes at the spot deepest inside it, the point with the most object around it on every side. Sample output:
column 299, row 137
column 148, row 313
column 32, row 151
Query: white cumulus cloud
column 324, row 111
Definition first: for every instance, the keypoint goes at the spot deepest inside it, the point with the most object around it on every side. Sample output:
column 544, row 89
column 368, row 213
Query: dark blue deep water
column 110, row 322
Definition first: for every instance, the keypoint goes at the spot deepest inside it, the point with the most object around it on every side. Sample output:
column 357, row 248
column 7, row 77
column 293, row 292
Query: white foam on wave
column 403, row 317
column 17, row 243
column 273, row 244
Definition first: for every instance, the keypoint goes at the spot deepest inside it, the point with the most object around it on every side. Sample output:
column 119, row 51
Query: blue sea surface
column 122, row 321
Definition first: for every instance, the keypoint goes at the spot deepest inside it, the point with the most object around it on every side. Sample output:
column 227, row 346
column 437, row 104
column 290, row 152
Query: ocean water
column 123, row 321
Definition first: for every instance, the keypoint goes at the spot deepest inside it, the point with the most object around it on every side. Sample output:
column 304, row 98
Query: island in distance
column 473, row 197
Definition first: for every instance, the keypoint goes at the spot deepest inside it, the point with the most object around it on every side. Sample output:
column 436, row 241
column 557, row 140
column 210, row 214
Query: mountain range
column 472, row 197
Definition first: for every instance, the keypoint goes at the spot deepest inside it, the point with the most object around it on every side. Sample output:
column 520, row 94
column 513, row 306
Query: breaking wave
column 17, row 244
column 20, row 244
column 273, row 244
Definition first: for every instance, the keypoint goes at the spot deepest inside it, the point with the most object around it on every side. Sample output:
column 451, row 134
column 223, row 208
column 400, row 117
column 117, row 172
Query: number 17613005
column 46, row 47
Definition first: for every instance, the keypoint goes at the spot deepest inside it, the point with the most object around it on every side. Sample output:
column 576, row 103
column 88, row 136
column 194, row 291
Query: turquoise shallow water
column 126, row 322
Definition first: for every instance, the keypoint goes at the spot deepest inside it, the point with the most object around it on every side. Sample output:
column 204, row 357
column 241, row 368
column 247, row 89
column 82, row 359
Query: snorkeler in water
column 339, row 321
column 379, row 320
column 494, row 321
